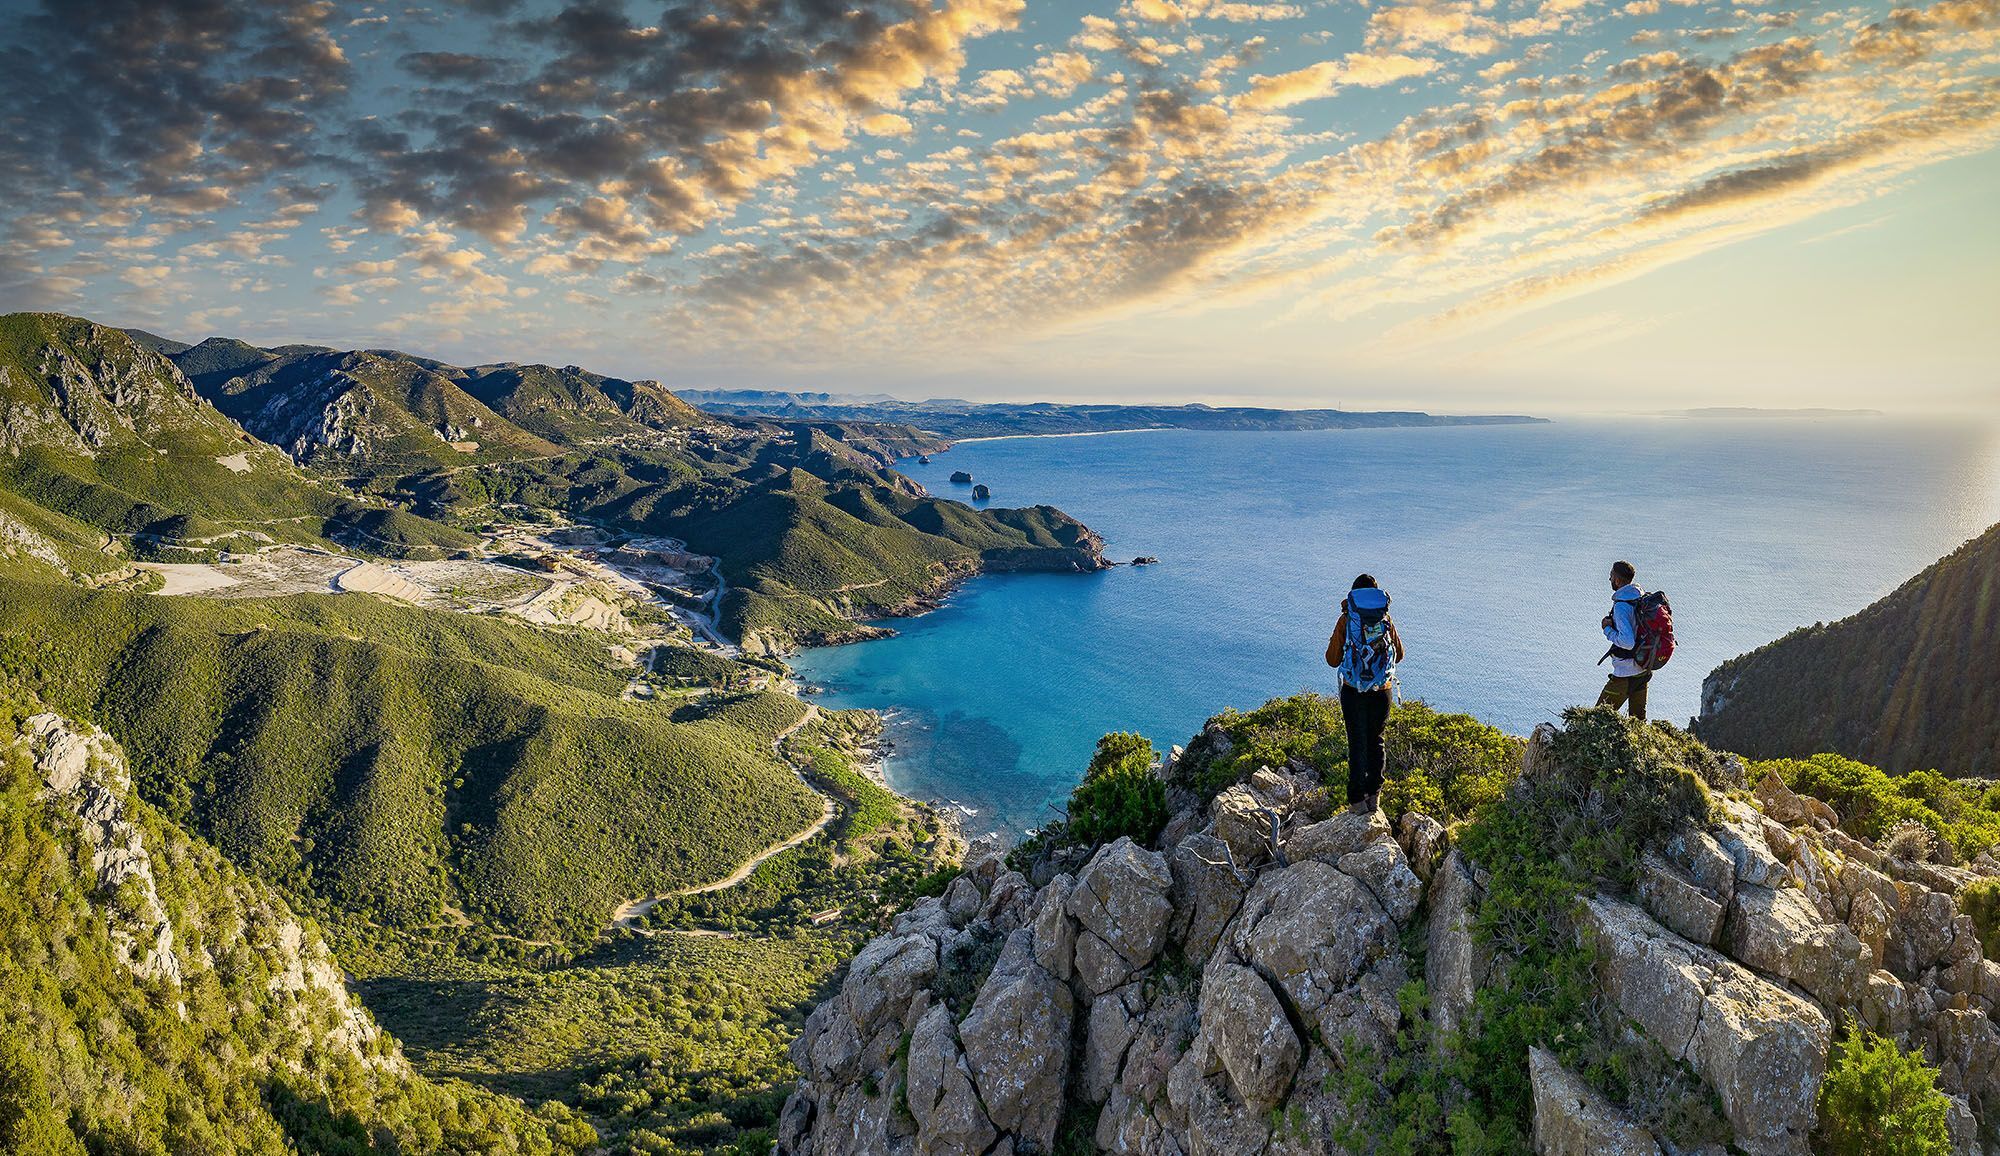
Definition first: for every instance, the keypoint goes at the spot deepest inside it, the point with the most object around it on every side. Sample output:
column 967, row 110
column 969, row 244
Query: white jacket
column 1623, row 632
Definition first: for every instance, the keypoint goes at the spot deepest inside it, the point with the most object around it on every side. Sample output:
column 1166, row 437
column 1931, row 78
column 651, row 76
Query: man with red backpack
column 1640, row 628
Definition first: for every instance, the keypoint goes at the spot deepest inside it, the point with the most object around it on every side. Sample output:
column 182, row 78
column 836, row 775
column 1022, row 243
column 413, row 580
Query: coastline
column 1089, row 433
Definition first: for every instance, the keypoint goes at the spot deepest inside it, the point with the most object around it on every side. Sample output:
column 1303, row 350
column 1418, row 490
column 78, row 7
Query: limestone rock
column 1676, row 902
column 1311, row 931
column 1206, row 894
column 1333, row 839
column 1923, row 931
column 1017, row 1043
column 83, row 771
column 1243, row 821
column 1423, row 840
column 1108, row 1031
column 1885, row 1005
column 962, row 900
column 984, row 860
column 1098, row 967
column 1705, row 862
column 1161, row 1038
column 1454, row 964
column 1742, row 836
column 1121, row 897
column 1054, row 930
column 1382, row 869
column 939, row 1090
column 1778, row 932
column 1779, row 801
column 1761, row 1048
column 1250, row 1034
column 926, row 916
column 1573, row 1119
column 1009, row 902
column 884, row 976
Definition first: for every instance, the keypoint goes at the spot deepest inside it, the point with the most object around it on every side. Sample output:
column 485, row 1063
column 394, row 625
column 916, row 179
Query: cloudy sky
column 1464, row 204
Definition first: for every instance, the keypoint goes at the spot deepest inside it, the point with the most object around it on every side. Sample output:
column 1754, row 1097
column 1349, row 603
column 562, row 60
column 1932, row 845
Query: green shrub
column 1445, row 765
column 1981, row 900
column 1871, row 802
column 1305, row 728
column 1119, row 794
column 1448, row 766
column 1878, row 1100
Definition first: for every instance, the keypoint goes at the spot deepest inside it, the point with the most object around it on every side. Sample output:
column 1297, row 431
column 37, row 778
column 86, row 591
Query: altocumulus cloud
column 857, row 179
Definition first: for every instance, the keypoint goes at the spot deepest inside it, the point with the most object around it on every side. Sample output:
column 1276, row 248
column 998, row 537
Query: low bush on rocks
column 1606, row 790
column 1964, row 816
column 1305, row 728
column 1981, row 900
column 1119, row 795
column 1447, row 766
column 1878, row 1100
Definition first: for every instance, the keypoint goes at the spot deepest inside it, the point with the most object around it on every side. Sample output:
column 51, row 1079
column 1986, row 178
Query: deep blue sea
column 1494, row 543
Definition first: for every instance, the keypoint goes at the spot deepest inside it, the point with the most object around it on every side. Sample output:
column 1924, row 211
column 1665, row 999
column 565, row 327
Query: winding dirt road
column 629, row 913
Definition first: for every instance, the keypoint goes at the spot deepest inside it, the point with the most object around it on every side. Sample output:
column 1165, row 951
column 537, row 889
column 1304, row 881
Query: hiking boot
column 1373, row 802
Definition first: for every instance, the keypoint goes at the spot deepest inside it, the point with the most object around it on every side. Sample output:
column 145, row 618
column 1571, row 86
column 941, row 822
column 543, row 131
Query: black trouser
column 1366, row 713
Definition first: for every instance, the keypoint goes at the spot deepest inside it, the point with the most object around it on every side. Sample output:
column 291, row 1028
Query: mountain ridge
column 1908, row 683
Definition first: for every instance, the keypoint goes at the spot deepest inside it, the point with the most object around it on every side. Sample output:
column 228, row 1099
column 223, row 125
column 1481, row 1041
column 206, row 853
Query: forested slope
column 1912, row 682
column 157, row 999
column 398, row 762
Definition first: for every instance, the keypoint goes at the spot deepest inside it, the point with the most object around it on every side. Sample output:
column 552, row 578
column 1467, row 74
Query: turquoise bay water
column 1494, row 543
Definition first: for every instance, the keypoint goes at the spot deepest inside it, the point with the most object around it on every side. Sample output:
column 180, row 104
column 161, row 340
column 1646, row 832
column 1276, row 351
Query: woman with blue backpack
column 1366, row 648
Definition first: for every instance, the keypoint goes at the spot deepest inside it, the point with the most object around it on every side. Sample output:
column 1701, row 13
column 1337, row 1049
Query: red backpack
column 1653, row 631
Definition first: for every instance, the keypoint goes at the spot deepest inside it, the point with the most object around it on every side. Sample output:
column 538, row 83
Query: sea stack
column 961, row 478
column 980, row 493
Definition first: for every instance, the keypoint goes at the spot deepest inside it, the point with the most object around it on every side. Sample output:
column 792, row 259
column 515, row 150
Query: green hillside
column 572, row 405
column 808, row 521
column 232, row 1035
column 367, row 413
column 805, row 557
column 1910, row 683
column 398, row 763
column 102, row 430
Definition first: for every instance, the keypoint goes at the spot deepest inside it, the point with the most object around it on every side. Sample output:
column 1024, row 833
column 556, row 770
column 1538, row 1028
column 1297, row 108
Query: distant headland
column 1748, row 411
column 957, row 420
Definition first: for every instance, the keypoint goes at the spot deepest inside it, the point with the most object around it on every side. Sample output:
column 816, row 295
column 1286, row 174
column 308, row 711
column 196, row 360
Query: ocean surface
column 1494, row 543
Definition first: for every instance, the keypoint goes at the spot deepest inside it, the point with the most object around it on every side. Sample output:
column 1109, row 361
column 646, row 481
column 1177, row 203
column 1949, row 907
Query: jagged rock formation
column 1204, row 994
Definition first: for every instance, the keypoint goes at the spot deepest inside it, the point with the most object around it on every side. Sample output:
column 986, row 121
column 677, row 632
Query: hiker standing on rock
column 1640, row 629
column 1366, row 648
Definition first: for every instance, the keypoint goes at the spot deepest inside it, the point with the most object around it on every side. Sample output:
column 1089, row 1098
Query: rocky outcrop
column 83, row 771
column 1762, row 1049
column 87, row 785
column 1573, row 1119
column 1212, row 993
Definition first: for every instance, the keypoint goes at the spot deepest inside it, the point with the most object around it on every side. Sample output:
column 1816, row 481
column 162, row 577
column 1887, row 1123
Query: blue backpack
column 1369, row 660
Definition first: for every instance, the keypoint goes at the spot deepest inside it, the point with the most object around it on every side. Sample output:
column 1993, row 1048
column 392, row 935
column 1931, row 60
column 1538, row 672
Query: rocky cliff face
column 1207, row 993
column 89, row 789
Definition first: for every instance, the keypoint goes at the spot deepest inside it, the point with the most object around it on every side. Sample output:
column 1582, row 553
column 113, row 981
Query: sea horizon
column 964, row 732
